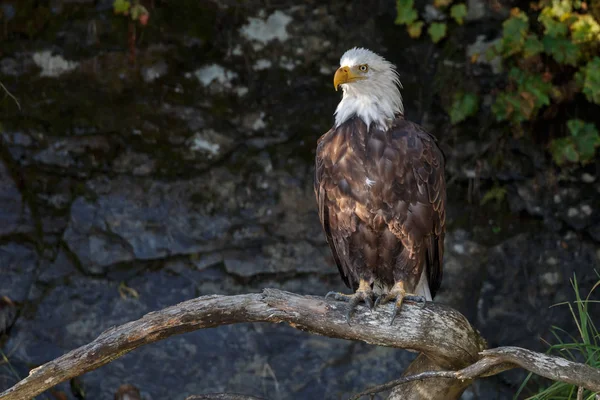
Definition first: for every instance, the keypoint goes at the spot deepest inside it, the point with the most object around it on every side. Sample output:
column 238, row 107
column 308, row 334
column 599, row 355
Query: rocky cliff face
column 189, row 172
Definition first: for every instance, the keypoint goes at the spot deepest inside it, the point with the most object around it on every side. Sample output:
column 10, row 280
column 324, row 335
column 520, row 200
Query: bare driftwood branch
column 501, row 359
column 444, row 337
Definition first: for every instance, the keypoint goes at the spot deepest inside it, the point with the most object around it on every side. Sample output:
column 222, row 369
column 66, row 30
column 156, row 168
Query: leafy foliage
column 406, row 14
column 589, row 79
column 464, row 105
column 533, row 46
column 524, row 97
column 579, row 147
column 550, row 52
column 514, row 33
column 585, row 29
column 563, row 50
column 136, row 14
column 135, row 10
column 563, row 43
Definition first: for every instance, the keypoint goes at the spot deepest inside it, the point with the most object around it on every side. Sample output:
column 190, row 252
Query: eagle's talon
column 337, row 296
column 397, row 308
column 399, row 294
column 349, row 315
column 395, row 314
column 381, row 300
column 363, row 293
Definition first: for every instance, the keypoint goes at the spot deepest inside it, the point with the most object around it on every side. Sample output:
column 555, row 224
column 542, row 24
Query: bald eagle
column 380, row 188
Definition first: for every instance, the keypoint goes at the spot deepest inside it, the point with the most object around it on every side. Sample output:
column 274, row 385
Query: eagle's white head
column 371, row 89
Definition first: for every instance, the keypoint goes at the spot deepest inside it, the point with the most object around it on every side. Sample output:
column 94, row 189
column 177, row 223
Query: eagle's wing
column 418, row 195
column 336, row 209
column 436, row 191
column 404, row 168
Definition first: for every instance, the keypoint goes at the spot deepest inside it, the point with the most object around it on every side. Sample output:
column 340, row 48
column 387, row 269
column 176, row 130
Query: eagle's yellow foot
column 399, row 294
column 363, row 293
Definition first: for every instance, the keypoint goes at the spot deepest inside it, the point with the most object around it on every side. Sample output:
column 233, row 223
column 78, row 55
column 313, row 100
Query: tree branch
column 441, row 333
column 551, row 367
column 502, row 359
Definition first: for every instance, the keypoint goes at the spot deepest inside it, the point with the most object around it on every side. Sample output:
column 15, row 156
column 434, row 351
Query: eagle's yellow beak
column 345, row 75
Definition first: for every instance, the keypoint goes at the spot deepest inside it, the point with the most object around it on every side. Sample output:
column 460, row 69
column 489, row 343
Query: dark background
column 185, row 169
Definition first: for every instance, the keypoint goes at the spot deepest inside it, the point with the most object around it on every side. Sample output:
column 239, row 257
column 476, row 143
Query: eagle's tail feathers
column 422, row 288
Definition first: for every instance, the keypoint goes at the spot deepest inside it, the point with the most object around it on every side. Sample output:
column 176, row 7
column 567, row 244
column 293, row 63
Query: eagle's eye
column 363, row 68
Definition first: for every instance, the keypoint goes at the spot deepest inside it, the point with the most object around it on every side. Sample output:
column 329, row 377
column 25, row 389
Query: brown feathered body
column 382, row 197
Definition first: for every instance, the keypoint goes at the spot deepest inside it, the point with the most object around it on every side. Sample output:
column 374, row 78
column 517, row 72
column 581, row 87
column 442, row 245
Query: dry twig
column 10, row 95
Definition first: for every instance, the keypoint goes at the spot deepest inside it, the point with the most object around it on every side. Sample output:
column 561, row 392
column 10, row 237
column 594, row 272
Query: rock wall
column 127, row 187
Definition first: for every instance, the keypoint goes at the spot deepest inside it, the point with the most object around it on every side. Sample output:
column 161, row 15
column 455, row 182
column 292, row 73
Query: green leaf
column 495, row 50
column 138, row 10
column 581, row 146
column 576, row 126
column 437, row 31
column 514, row 31
column 500, row 107
column 121, row 7
column 585, row 29
column 534, row 84
column 463, row 106
column 522, row 103
column 415, row 29
column 559, row 8
column 552, row 27
column 586, row 146
column 496, row 193
column 585, row 137
column 589, row 78
column 563, row 50
column 532, row 46
column 581, row 129
column 570, row 153
column 405, row 12
column 506, row 107
column 458, row 12
column 563, row 150
column 441, row 3
column 541, row 96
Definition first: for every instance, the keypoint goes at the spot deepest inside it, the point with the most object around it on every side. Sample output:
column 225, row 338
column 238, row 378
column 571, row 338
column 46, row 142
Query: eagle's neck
column 373, row 103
